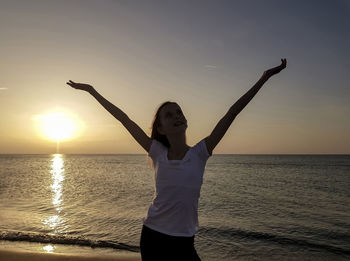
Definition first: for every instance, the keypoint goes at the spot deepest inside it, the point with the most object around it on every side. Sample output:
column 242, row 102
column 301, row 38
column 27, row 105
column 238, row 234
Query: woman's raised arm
column 138, row 134
column 220, row 129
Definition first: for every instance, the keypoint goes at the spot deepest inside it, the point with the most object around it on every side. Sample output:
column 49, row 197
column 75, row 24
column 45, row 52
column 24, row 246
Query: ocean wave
column 64, row 239
column 237, row 233
column 284, row 164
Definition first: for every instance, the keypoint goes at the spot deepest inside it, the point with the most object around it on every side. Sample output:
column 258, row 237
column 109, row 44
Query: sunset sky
column 204, row 55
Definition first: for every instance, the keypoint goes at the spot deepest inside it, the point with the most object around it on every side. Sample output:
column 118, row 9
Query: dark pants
column 158, row 246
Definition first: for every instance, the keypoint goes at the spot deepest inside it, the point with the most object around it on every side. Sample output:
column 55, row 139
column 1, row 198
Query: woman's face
column 172, row 119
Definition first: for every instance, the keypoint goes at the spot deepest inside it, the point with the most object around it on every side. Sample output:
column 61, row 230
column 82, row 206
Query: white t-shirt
column 177, row 190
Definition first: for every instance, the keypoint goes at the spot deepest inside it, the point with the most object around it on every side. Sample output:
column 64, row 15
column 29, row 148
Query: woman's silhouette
column 172, row 221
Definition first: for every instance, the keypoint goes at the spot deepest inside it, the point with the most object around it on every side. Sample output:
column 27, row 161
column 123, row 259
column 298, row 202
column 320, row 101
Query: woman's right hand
column 80, row 86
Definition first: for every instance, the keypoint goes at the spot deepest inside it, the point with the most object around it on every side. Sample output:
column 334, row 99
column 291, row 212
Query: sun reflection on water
column 49, row 248
column 56, row 222
column 57, row 172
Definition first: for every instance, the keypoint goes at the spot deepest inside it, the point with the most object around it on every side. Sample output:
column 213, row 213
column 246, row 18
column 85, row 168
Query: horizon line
column 253, row 154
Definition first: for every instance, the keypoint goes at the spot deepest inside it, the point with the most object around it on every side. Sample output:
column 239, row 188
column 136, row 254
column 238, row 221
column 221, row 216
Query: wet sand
column 13, row 255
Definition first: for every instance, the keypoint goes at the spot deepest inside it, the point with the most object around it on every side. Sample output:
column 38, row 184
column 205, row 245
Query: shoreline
column 34, row 251
column 18, row 255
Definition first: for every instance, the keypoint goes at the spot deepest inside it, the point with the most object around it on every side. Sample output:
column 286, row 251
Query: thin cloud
column 3, row 89
column 211, row 66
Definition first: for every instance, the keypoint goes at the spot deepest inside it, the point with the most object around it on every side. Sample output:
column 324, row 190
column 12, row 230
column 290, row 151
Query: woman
column 172, row 219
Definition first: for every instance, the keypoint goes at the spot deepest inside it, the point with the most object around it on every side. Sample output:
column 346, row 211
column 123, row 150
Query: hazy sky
column 202, row 54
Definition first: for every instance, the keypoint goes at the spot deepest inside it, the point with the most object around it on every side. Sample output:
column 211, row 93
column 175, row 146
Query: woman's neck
column 177, row 144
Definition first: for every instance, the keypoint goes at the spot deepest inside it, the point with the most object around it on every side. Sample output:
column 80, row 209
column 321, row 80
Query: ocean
column 252, row 207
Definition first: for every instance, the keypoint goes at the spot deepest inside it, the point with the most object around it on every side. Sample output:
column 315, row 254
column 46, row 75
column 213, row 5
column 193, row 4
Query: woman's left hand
column 275, row 70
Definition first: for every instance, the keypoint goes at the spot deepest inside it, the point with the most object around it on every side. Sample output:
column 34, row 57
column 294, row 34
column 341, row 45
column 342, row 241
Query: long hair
column 156, row 123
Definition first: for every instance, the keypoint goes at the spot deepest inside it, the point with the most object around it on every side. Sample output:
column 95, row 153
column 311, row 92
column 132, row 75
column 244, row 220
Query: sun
column 58, row 126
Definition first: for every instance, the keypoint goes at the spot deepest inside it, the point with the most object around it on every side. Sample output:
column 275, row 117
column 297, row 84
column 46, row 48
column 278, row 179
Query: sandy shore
column 11, row 255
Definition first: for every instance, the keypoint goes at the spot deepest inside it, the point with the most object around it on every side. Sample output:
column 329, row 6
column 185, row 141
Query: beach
column 35, row 251
column 13, row 255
